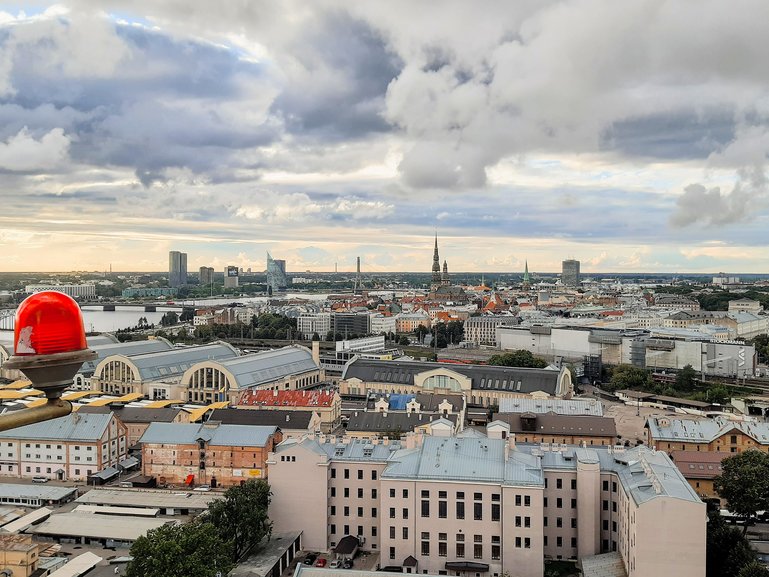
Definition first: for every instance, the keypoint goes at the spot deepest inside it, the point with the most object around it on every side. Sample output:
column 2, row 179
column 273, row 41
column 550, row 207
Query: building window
column 518, row 542
column 526, row 543
column 573, row 503
column 333, row 510
column 360, row 492
column 573, row 523
column 517, row 521
column 517, row 500
column 527, row 522
column 460, row 494
column 373, row 475
column 559, row 521
column 346, row 511
column 405, row 533
column 347, row 473
column 442, row 549
column 527, row 500
column 559, row 503
column 392, row 493
column 460, row 550
column 477, row 551
column 426, row 544
column 559, row 483
column 613, row 486
column 373, row 512
column 605, row 485
column 392, row 512
column 478, row 511
column 360, row 511
column 495, row 511
column 605, row 525
column 425, row 494
column 442, row 509
column 559, row 541
column 360, row 474
column 333, row 529
column 392, row 532
column 573, row 484
column 605, row 505
column 347, row 492
column 392, row 552
column 425, row 508
column 405, row 493
column 460, row 509
column 405, row 513
column 373, row 493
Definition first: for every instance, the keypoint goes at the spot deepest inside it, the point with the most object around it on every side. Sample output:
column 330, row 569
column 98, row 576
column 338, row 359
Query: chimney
column 316, row 352
column 511, row 441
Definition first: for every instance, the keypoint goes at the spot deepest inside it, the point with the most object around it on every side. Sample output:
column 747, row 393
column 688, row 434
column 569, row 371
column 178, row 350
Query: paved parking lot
column 630, row 419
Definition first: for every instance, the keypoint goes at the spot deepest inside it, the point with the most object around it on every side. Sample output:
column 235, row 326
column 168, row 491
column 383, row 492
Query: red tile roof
column 286, row 398
column 699, row 464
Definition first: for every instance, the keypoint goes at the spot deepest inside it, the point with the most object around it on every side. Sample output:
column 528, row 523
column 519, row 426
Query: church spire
column 436, row 264
column 526, row 281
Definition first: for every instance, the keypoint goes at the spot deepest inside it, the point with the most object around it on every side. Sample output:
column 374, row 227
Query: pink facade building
column 481, row 506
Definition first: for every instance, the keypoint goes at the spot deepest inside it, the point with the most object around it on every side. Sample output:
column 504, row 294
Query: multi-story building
column 408, row 322
column 231, row 277
column 308, row 324
column 349, row 324
column 718, row 434
column 482, row 385
column 206, row 275
column 84, row 291
column 700, row 469
column 177, row 268
column 19, row 556
column 570, row 273
column 585, row 407
column 286, row 369
column 67, row 448
column 132, row 292
column 211, row 453
column 477, row 504
column 137, row 419
column 383, row 324
column 559, row 429
column 276, row 274
column 483, row 330
column 675, row 302
column 327, row 404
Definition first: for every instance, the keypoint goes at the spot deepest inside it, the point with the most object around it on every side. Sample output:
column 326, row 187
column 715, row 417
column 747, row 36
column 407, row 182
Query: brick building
column 211, row 453
column 718, row 434
column 328, row 404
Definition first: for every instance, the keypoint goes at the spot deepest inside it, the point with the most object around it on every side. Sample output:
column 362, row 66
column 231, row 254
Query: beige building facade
column 472, row 504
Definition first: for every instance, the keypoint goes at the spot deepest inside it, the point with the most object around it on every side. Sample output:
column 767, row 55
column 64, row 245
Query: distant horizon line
column 331, row 272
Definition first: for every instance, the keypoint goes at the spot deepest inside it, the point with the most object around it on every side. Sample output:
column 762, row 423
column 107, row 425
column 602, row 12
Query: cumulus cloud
column 24, row 153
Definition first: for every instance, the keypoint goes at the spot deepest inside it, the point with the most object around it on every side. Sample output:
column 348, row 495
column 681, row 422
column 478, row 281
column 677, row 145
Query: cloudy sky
column 632, row 136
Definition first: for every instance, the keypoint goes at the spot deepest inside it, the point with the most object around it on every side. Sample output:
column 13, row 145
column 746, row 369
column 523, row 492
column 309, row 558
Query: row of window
column 559, row 483
column 346, row 492
column 346, row 511
column 346, row 472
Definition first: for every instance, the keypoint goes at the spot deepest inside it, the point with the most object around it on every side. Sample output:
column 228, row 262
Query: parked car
column 39, row 479
column 335, row 564
column 204, row 488
column 347, row 564
column 309, row 559
column 321, row 562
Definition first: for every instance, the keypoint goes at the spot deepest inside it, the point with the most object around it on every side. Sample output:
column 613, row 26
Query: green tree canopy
column 754, row 569
column 628, row 377
column 192, row 550
column 728, row 551
column 519, row 358
column 686, row 378
column 241, row 516
column 744, row 482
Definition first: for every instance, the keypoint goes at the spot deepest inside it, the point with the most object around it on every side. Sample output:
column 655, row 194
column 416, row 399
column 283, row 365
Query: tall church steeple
column 436, row 265
column 526, row 285
column 445, row 276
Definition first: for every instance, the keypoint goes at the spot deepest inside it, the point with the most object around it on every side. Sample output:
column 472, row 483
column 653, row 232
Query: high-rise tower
column 436, row 266
column 177, row 269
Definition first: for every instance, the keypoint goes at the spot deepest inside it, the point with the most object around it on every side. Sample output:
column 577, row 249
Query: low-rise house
column 211, row 453
column 376, row 424
column 67, row 448
column 328, row 404
column 19, row 556
column 717, row 434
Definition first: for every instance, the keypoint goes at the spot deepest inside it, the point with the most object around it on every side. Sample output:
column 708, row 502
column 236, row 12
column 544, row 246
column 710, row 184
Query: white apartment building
column 309, row 323
column 67, row 449
column 382, row 324
column 73, row 290
column 475, row 504
column 483, row 330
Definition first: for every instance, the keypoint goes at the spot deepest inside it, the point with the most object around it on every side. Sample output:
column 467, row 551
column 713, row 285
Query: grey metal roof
column 118, row 527
column 428, row 402
column 47, row 492
column 135, row 414
column 592, row 407
column 213, row 434
column 128, row 349
column 349, row 449
column 175, row 362
column 152, row 498
column 644, row 473
column 484, row 377
column 73, row 427
column 703, row 430
column 267, row 366
column 374, row 421
column 276, row 418
column 465, row 459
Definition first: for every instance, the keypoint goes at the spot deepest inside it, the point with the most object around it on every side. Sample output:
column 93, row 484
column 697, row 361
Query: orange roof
column 287, row 398
column 612, row 313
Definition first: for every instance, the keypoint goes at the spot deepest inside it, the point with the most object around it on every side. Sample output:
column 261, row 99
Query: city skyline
column 617, row 136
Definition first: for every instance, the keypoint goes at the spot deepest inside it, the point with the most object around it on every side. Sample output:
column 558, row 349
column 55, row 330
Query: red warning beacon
column 49, row 341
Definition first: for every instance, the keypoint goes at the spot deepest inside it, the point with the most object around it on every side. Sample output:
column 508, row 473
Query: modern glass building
column 276, row 274
column 177, row 268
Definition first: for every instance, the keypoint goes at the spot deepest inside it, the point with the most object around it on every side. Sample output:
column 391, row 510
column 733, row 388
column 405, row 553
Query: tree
column 519, row 358
column 628, row 377
column 188, row 314
column 421, row 331
column 192, row 550
column 686, row 378
column 241, row 516
column 754, row 569
column 169, row 319
column 744, row 483
column 315, row 336
column 728, row 551
column 404, row 341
